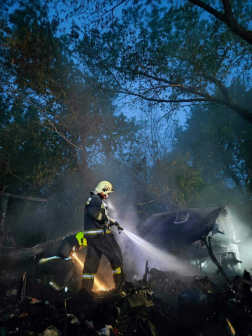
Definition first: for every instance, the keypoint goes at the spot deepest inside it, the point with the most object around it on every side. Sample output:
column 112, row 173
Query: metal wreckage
column 217, row 300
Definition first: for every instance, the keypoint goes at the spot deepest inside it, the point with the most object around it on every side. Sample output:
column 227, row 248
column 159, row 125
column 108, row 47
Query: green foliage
column 176, row 182
column 55, row 126
column 219, row 144
column 25, row 143
column 62, row 130
column 171, row 54
column 31, row 50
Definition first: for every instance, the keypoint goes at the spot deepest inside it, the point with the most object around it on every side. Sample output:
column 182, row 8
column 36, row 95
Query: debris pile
column 165, row 304
column 171, row 283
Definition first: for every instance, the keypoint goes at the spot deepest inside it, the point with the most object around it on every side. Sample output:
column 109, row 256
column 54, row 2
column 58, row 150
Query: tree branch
column 164, row 100
column 244, row 113
column 227, row 18
column 9, row 171
column 207, row 8
column 181, row 87
column 54, row 129
column 227, row 8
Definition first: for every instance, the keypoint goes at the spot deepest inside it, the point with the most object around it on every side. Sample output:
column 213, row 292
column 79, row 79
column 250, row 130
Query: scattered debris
column 74, row 319
column 11, row 292
column 51, row 331
column 107, row 331
column 161, row 303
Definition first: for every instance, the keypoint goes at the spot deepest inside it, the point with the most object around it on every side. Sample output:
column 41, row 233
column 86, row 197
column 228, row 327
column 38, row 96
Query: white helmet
column 104, row 188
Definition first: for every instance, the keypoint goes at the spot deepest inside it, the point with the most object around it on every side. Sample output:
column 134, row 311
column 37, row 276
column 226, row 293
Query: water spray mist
column 159, row 258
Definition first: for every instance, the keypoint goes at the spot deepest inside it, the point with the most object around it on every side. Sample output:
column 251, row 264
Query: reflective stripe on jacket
column 95, row 216
column 61, row 249
column 43, row 260
column 95, row 232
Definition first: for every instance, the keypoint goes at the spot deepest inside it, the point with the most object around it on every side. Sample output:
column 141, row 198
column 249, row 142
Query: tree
column 102, row 12
column 219, row 146
column 47, row 77
column 56, row 128
column 170, row 55
column 228, row 17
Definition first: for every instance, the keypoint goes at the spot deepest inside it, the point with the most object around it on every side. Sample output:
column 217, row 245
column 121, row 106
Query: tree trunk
column 3, row 213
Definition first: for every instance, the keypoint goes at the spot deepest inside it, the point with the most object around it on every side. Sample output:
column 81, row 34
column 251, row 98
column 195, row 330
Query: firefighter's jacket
column 95, row 216
column 62, row 249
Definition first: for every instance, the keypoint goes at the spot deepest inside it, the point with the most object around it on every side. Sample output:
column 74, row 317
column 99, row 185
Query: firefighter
column 100, row 240
column 57, row 261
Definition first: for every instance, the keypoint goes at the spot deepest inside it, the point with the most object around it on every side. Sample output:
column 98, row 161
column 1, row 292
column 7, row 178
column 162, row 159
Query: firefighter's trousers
column 61, row 271
column 97, row 246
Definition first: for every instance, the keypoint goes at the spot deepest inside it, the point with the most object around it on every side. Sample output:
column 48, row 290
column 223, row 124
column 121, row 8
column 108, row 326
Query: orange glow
column 77, row 259
column 97, row 283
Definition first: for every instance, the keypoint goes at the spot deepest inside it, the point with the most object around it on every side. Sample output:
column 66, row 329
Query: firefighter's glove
column 118, row 227
column 110, row 221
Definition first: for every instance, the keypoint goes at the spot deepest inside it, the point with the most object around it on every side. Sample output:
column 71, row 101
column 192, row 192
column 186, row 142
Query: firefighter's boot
column 118, row 280
column 87, row 284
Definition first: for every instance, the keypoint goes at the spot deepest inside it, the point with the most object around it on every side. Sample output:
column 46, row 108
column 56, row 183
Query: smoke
column 128, row 220
column 136, row 250
column 158, row 258
column 243, row 234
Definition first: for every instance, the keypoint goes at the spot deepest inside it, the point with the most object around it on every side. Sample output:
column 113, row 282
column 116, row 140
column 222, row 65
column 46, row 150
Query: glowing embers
column 98, row 285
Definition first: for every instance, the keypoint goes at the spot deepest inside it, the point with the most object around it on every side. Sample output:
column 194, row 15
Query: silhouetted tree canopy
column 154, row 96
